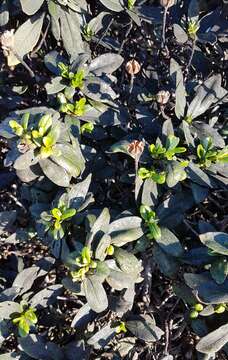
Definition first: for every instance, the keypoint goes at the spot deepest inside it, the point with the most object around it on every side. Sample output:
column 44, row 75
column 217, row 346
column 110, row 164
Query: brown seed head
column 136, row 147
column 162, row 97
column 167, row 3
column 133, row 67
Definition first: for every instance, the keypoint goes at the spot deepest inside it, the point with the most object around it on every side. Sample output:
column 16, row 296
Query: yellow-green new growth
column 85, row 263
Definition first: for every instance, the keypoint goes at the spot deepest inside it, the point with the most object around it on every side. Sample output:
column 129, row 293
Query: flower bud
column 133, row 67
column 167, row 3
column 194, row 314
column 198, row 307
column 219, row 309
column 162, row 97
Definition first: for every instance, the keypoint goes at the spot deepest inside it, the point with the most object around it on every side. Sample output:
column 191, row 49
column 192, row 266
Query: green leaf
column 170, row 243
column 106, row 64
column 23, row 327
column 125, row 230
column 30, row 7
column 70, row 32
column 95, row 294
column 219, row 270
column 217, row 241
column 55, row 173
column 27, row 35
column 214, row 341
column 56, row 85
column 114, row 5
column 127, row 261
column 144, row 331
column 175, row 173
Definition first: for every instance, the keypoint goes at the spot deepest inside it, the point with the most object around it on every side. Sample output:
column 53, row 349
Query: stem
column 32, row 74
column 131, row 84
column 43, row 38
column 164, row 26
column 192, row 54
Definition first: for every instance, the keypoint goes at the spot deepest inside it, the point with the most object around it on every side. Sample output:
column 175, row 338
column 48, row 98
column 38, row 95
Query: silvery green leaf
column 197, row 175
column 193, row 10
column 127, row 261
column 27, row 35
column 216, row 241
column 30, row 7
column 206, row 94
column 25, row 160
column 175, row 173
column 214, row 341
column 144, row 331
column 38, row 348
column 180, row 34
column 169, row 243
column 7, row 308
column 95, row 294
column 99, row 227
column 56, row 85
column 176, row 72
column 4, row 13
column 219, row 270
column 70, row 33
column 105, row 64
column 99, row 22
column 102, row 246
column 46, row 297
column 101, row 338
column 57, row 174
column 166, row 263
column 125, row 230
column 83, row 316
column 52, row 59
column 114, row 5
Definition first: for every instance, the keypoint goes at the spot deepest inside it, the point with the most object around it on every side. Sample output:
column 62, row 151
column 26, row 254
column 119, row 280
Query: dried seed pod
column 167, row 3
column 162, row 97
column 133, row 67
column 135, row 148
column 7, row 41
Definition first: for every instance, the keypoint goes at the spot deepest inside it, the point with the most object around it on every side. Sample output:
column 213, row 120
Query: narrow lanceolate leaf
column 95, row 294
column 27, row 35
column 30, row 7
column 176, row 71
column 217, row 241
column 214, row 341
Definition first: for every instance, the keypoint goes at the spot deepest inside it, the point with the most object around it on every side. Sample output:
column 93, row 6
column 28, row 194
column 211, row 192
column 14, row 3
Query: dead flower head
column 162, row 97
column 7, row 41
column 167, row 3
column 133, row 67
column 135, row 148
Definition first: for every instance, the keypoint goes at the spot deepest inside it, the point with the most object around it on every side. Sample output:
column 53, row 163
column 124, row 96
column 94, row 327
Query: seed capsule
column 136, row 147
column 167, row 3
column 133, row 67
column 162, row 97
column 7, row 41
